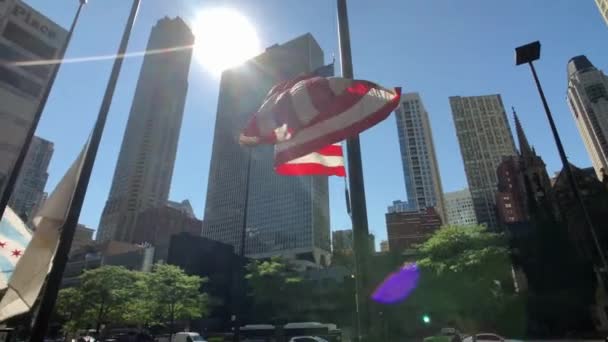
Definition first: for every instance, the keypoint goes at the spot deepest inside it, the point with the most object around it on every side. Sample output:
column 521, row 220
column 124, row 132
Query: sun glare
column 224, row 39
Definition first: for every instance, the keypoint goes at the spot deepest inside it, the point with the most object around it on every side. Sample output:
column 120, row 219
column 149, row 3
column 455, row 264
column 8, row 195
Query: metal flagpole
column 238, row 287
column 14, row 174
column 357, row 188
column 49, row 296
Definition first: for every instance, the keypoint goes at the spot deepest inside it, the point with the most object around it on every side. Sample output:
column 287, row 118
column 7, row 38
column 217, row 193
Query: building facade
column 216, row 262
column 384, row 246
column 29, row 188
column 156, row 225
column 116, row 253
column 25, row 35
column 342, row 241
column 83, row 236
column 142, row 178
column 602, row 5
column 420, row 168
column 595, row 196
column 184, row 206
column 588, row 100
column 285, row 215
column 459, row 208
column 400, row 206
column 485, row 139
column 408, row 229
column 511, row 195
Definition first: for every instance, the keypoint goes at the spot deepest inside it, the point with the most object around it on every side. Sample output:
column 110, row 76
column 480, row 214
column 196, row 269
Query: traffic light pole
column 357, row 189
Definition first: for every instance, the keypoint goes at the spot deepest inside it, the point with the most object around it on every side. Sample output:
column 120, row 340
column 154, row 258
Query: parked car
column 307, row 339
column 187, row 337
column 484, row 337
column 445, row 335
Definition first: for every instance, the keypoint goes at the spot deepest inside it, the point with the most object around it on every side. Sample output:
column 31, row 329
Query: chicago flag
column 14, row 237
column 33, row 266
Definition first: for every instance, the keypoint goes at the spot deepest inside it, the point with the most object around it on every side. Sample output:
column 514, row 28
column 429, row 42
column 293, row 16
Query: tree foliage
column 275, row 287
column 107, row 291
column 117, row 296
column 172, row 295
column 465, row 276
column 465, row 281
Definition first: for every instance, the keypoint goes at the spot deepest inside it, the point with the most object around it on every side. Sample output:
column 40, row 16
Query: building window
column 27, row 41
column 10, row 55
column 14, row 79
column 595, row 92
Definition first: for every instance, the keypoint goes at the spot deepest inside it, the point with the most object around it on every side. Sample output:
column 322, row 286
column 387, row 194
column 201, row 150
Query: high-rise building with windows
column 407, row 229
column 29, row 188
column 25, row 35
column 602, row 5
column 400, row 206
column 145, row 164
column 485, row 139
column 285, row 215
column 420, row 168
column 459, row 208
column 588, row 100
column 384, row 246
column 342, row 241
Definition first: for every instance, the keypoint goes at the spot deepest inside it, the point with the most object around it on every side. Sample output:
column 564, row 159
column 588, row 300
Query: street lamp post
column 16, row 169
column 526, row 54
column 53, row 282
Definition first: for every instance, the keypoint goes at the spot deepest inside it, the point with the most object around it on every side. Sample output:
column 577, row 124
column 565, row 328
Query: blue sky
column 438, row 48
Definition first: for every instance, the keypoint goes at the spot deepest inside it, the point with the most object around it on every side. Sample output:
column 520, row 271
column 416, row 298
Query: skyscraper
column 285, row 215
column 420, row 168
column 459, row 208
column 29, row 188
column 145, row 164
column 602, row 5
column 407, row 229
column 588, row 100
column 25, row 35
column 342, row 241
column 485, row 139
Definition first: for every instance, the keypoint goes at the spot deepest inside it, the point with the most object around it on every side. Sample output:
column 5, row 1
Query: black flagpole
column 357, row 188
column 49, row 296
column 238, row 283
column 14, row 174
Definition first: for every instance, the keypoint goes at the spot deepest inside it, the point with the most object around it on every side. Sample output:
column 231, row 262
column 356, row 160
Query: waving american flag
column 305, row 116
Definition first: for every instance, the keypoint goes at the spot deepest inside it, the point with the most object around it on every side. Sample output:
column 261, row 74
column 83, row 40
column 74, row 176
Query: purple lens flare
column 398, row 285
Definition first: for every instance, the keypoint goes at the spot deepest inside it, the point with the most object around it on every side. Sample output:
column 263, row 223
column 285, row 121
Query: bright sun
column 224, row 39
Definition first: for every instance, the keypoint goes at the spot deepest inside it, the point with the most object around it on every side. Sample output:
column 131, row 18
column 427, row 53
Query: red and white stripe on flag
column 305, row 115
column 328, row 161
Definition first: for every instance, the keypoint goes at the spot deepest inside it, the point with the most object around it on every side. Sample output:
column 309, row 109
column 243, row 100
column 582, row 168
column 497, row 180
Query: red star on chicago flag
column 16, row 253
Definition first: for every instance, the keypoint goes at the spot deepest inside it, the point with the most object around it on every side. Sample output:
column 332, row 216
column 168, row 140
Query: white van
column 187, row 337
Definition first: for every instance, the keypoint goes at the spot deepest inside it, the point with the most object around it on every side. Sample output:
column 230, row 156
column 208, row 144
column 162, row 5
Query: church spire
column 524, row 146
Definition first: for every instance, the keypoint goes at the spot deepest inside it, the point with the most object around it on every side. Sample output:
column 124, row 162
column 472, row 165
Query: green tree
column 173, row 295
column 465, row 281
column 139, row 309
column 107, row 291
column 466, row 277
column 70, row 307
column 275, row 288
